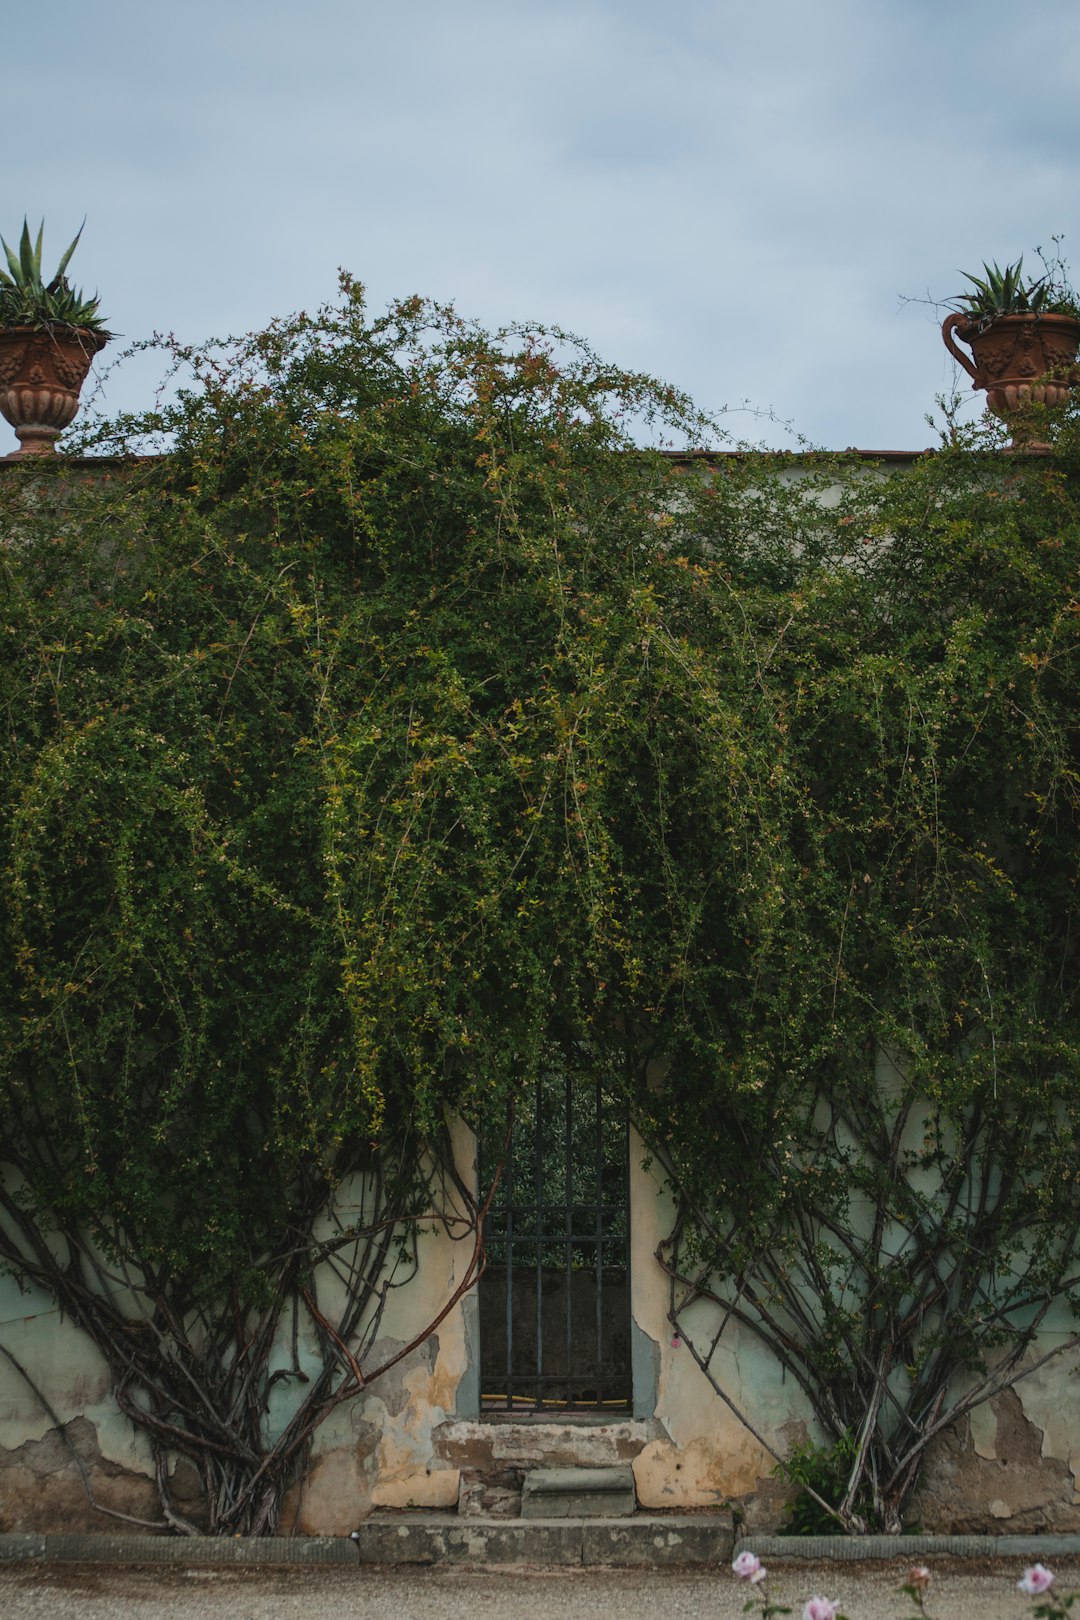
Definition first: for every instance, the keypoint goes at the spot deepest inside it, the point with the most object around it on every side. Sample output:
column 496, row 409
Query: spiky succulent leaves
column 1004, row 292
column 26, row 300
column 58, row 279
column 26, row 269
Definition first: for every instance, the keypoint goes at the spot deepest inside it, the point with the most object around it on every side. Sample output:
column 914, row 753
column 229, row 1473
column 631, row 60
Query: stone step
column 578, row 1493
column 642, row 1542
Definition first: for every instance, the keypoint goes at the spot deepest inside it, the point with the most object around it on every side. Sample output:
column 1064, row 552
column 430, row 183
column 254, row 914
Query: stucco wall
column 416, row 1438
column 706, row 1456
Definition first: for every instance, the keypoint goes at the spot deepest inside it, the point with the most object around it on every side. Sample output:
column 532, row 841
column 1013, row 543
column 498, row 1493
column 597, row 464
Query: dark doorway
column 555, row 1298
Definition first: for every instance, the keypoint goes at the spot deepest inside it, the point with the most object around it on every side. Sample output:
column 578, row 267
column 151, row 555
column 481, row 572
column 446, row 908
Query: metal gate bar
column 562, row 1214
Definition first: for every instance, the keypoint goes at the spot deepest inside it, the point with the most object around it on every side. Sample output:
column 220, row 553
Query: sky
column 735, row 195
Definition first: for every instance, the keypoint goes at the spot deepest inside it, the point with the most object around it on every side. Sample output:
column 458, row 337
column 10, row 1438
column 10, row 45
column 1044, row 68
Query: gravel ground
column 961, row 1590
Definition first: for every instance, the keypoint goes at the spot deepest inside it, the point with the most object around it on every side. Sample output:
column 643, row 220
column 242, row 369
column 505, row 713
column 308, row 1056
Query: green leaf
column 65, row 261
column 13, row 264
column 31, row 262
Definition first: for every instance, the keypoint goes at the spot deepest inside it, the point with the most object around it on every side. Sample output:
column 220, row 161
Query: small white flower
column 1035, row 1581
column 819, row 1608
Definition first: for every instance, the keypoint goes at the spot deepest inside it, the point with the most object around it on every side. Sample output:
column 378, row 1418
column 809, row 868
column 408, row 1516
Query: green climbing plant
column 418, row 712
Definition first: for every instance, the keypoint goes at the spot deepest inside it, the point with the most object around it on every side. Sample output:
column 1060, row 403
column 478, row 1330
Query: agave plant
column 27, row 300
column 1004, row 292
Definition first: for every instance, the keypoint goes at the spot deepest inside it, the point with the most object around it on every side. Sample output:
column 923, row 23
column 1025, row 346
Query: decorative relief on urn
column 41, row 373
column 1021, row 361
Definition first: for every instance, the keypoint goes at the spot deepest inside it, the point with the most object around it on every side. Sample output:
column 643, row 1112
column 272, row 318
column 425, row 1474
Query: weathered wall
column 376, row 1451
column 704, row 1456
column 1011, row 1465
column 416, row 1439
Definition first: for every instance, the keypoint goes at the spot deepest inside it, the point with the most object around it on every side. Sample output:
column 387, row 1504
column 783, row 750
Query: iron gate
column 555, row 1298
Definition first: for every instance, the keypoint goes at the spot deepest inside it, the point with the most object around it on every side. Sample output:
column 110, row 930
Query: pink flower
column 819, row 1608
column 1035, row 1580
column 748, row 1567
column 919, row 1577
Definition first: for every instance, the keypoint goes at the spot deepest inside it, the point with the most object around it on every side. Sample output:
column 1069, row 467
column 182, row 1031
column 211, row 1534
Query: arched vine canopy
column 405, row 722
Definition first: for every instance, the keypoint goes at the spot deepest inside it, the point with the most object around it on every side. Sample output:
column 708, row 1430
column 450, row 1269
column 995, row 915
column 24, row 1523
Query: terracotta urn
column 42, row 370
column 1020, row 360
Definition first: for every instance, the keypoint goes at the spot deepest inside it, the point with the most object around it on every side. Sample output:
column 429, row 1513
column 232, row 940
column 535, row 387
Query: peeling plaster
column 984, row 1431
column 416, row 1438
column 467, row 1404
column 645, row 1369
column 1049, row 1397
column 1019, row 1484
column 40, row 1485
column 707, row 1454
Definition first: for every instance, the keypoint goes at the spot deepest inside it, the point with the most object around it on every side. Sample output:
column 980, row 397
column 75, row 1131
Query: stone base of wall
column 994, row 1473
column 44, row 1488
column 990, row 1474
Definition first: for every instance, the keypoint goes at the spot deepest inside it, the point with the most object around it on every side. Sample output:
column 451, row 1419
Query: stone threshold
column 579, row 1493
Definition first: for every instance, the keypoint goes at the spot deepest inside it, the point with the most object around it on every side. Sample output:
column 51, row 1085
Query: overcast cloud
column 732, row 196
